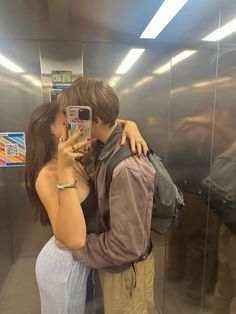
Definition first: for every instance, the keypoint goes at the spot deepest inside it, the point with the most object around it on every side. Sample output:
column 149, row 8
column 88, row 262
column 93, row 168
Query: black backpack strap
column 122, row 153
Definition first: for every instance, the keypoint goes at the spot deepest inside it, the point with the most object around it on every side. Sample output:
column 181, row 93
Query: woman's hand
column 69, row 149
column 137, row 142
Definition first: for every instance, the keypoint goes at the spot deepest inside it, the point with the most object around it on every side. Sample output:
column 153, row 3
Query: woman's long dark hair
column 40, row 148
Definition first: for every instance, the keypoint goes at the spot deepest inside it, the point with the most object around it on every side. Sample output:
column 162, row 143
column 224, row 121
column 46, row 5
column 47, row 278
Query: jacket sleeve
column 130, row 202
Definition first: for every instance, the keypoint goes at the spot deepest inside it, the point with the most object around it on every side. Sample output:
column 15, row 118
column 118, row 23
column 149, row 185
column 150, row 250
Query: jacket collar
column 111, row 142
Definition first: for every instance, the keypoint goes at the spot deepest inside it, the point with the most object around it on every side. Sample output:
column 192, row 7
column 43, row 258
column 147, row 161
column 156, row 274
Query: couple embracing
column 93, row 227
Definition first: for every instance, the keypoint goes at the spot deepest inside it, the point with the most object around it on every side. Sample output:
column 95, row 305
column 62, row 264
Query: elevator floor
column 19, row 294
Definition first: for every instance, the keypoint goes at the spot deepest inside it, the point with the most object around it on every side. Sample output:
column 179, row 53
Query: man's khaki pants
column 225, row 292
column 130, row 291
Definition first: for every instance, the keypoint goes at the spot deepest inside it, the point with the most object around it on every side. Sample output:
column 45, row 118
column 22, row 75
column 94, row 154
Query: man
column 121, row 248
column 219, row 189
column 190, row 154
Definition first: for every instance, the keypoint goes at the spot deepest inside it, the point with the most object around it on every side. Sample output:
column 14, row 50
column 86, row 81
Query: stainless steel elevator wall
column 197, row 93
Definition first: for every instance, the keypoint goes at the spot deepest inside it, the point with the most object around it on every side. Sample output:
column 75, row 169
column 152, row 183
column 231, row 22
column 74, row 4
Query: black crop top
column 89, row 207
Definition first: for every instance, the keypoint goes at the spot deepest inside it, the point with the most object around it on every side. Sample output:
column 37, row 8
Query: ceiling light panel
column 10, row 65
column 163, row 16
column 222, row 32
column 181, row 56
column 178, row 58
column 132, row 56
column 143, row 81
column 114, row 80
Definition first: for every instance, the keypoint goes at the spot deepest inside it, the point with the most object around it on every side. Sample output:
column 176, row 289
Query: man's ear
column 98, row 121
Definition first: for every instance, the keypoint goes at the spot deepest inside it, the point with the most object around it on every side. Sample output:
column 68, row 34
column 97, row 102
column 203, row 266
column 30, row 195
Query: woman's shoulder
column 47, row 174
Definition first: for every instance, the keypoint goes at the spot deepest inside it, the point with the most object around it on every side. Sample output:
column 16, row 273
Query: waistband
column 52, row 245
column 145, row 255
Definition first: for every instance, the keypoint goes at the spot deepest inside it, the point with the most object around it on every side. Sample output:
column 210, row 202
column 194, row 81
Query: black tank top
column 89, row 207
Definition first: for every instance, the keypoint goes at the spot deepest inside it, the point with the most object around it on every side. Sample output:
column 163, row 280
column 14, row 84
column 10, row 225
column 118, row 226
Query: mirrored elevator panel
column 21, row 238
column 59, row 56
column 144, row 98
column 181, row 94
column 188, row 264
column 20, row 93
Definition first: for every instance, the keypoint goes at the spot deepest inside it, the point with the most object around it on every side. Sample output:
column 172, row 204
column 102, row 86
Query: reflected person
column 220, row 193
column 189, row 160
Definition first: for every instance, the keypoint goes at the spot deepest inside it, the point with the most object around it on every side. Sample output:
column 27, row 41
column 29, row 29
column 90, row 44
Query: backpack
column 219, row 188
column 167, row 198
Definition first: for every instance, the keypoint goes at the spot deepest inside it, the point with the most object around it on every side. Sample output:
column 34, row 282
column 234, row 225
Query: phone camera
column 84, row 114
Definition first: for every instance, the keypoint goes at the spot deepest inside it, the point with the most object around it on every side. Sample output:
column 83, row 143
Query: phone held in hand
column 80, row 118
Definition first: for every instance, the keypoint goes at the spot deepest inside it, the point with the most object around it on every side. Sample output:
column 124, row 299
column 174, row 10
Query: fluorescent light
column 28, row 77
column 178, row 58
column 162, row 69
column 129, row 60
column 143, row 81
column 32, row 79
column 202, row 84
column 223, row 79
column 183, row 55
column 222, row 32
column 211, row 82
column 125, row 91
column 114, row 80
column 10, row 65
column 37, row 83
column 163, row 16
column 178, row 90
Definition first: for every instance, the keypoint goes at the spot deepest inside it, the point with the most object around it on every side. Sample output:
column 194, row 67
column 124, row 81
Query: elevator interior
column 92, row 38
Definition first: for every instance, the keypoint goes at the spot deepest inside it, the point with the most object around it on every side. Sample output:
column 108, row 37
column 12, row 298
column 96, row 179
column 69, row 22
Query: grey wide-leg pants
column 61, row 281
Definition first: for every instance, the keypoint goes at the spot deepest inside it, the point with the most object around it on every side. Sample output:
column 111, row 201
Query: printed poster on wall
column 12, row 149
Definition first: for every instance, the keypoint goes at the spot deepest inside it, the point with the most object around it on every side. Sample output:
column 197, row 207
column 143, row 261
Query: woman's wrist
column 68, row 185
column 65, row 175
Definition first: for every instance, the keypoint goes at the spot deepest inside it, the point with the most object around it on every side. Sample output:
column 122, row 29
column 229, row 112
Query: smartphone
column 80, row 117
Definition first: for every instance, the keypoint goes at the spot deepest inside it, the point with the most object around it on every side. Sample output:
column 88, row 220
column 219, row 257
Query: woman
column 50, row 162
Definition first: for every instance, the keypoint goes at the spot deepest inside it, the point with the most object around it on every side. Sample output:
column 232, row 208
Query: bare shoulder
column 46, row 177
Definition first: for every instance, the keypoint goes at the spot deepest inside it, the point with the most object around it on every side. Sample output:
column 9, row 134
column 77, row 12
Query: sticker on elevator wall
column 12, row 149
column 61, row 77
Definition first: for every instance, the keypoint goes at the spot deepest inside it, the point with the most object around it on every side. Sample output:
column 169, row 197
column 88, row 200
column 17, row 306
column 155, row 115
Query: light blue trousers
column 61, row 281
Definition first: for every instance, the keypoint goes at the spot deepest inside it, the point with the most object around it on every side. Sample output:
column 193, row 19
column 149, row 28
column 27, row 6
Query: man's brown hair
column 95, row 93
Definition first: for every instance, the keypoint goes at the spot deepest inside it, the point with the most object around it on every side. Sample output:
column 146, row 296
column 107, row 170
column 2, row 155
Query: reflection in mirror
column 192, row 244
column 179, row 89
column 20, row 79
column 220, row 183
column 59, row 56
column 144, row 98
column 20, row 237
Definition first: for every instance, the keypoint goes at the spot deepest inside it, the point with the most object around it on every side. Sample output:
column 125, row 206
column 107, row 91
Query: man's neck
column 106, row 132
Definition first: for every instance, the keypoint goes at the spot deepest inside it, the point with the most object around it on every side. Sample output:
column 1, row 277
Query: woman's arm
column 131, row 132
column 64, row 210
column 63, row 206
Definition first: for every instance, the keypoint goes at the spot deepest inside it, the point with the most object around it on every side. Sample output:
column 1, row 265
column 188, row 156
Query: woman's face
column 57, row 126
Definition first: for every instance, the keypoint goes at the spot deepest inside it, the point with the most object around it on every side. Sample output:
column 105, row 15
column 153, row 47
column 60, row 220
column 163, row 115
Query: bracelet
column 63, row 186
